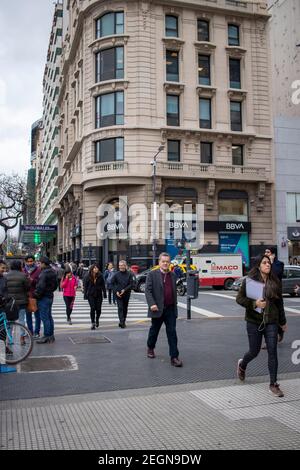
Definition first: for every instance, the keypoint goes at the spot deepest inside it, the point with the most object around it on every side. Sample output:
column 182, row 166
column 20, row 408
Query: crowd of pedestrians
column 32, row 285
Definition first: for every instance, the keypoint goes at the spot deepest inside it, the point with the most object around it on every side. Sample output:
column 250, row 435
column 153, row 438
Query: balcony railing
column 109, row 166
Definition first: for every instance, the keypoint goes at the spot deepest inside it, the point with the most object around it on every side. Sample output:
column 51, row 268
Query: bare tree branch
column 13, row 200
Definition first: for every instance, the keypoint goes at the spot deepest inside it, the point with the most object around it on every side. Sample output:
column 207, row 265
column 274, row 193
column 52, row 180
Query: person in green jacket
column 263, row 316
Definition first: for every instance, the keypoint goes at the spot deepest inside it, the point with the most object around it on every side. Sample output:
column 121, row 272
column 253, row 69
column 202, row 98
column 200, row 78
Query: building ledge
column 106, row 41
column 118, row 84
column 204, row 46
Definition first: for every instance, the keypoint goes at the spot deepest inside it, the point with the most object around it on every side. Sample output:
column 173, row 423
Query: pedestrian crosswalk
column 137, row 311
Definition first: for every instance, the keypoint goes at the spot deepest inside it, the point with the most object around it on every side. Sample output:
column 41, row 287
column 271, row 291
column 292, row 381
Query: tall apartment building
column 191, row 76
column 49, row 190
column 285, row 41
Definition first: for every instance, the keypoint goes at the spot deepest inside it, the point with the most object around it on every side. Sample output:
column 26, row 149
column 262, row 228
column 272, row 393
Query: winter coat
column 33, row 277
column 69, row 286
column 18, row 286
column 47, row 284
column 94, row 289
column 273, row 313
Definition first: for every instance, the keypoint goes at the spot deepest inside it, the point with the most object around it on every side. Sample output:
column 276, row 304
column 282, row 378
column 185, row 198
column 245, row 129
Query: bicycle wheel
column 18, row 342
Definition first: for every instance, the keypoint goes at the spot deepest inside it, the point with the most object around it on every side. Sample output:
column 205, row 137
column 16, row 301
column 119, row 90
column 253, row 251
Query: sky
column 25, row 27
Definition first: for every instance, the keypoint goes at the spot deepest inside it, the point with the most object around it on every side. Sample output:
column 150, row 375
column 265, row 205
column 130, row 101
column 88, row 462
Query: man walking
column 161, row 296
column 122, row 284
column 46, row 285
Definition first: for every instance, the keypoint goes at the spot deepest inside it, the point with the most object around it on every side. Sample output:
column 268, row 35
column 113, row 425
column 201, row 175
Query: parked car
column 291, row 277
column 140, row 283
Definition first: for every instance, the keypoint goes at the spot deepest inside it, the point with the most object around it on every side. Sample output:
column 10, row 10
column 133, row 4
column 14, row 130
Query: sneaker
column 151, row 353
column 274, row 388
column 93, row 326
column 36, row 336
column 241, row 373
column 176, row 362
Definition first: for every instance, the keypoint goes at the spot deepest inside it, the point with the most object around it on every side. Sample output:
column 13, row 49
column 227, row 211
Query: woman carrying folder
column 263, row 316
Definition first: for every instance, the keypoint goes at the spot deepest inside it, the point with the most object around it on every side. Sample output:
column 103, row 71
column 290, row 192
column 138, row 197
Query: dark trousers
column 169, row 319
column 122, row 303
column 111, row 294
column 95, row 305
column 270, row 333
column 69, row 301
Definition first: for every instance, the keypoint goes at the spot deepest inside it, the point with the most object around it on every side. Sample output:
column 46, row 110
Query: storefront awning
column 37, row 233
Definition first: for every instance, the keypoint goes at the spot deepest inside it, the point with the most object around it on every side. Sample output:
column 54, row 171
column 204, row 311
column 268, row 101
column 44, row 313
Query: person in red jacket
column 69, row 284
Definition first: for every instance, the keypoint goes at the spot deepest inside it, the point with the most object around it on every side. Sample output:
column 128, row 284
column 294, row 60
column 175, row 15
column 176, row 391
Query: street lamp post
column 160, row 148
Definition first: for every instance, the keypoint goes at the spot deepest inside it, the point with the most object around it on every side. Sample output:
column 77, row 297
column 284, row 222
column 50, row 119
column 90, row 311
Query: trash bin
column 192, row 284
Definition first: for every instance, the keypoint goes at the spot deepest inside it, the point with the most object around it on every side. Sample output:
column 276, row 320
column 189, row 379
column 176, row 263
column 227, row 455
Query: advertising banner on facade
column 235, row 243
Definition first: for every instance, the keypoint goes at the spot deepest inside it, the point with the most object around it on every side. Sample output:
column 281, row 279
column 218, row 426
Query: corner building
column 192, row 76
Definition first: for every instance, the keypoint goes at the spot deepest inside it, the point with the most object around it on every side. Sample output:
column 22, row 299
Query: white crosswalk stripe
column 137, row 311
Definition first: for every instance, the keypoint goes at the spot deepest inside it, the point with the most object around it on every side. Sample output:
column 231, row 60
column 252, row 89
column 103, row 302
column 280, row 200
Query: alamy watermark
column 137, row 223
column 296, row 94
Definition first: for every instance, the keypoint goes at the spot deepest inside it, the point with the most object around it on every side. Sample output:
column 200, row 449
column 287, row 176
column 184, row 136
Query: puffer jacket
column 69, row 286
column 47, row 284
column 18, row 286
column 273, row 313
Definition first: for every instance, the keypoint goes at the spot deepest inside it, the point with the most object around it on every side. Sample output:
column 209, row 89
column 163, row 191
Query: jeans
column 37, row 322
column 255, row 336
column 122, row 303
column 45, row 306
column 169, row 318
column 22, row 316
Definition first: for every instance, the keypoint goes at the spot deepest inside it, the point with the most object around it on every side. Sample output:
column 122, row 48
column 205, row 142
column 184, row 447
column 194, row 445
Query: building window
column 235, row 73
column 110, row 64
column 204, row 69
column 171, row 26
column 203, row 30
column 172, row 66
column 173, row 110
column 233, row 35
column 205, row 113
column 238, row 155
column 109, row 150
column 206, row 152
column 236, row 115
column 293, row 208
column 110, row 109
column 174, row 150
column 109, row 24
column 233, row 206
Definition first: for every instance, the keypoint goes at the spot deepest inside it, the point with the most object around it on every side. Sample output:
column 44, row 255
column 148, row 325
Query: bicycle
column 11, row 332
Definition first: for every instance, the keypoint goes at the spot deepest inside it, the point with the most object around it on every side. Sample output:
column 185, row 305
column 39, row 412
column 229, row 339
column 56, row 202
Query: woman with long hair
column 263, row 316
column 69, row 285
column 94, row 292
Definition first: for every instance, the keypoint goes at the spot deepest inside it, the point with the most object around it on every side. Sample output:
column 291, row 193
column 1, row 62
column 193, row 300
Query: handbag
column 11, row 309
column 32, row 305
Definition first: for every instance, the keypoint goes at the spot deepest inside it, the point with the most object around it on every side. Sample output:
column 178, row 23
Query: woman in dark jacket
column 263, row 316
column 94, row 291
column 18, row 286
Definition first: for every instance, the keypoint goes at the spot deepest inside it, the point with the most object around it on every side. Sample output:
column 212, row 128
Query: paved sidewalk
column 210, row 415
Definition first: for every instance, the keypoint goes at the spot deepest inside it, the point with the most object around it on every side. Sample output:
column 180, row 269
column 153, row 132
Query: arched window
column 233, row 205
